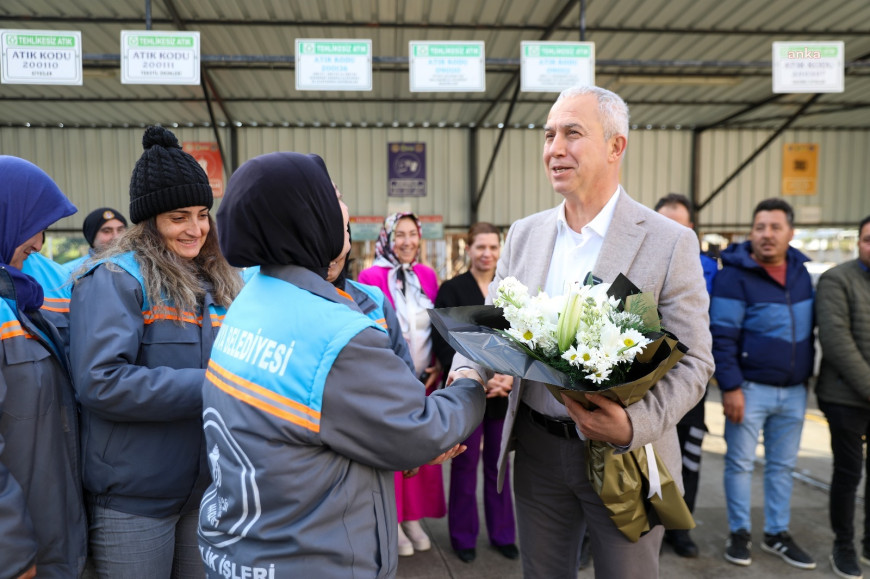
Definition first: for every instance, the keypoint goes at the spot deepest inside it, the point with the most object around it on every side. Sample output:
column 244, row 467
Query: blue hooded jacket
column 762, row 331
column 42, row 516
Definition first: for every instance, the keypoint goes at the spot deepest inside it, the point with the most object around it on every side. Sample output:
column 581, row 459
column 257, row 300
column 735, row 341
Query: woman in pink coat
column 411, row 287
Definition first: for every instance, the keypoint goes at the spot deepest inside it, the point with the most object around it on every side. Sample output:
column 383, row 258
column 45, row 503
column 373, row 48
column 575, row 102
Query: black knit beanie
column 166, row 178
column 96, row 219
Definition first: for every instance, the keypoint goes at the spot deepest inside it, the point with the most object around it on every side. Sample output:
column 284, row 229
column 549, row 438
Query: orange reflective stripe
column 344, row 294
column 13, row 329
column 257, row 403
column 262, row 391
column 152, row 316
column 382, row 322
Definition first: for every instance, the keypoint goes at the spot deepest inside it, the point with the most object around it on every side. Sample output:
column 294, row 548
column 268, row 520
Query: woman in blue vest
column 307, row 411
column 142, row 324
column 43, row 530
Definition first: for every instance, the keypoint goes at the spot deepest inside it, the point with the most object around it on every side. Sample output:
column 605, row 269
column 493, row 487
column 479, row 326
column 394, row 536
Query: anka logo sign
column 805, row 53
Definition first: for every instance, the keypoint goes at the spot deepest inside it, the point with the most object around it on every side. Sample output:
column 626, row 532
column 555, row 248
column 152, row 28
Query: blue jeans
column 125, row 546
column 779, row 412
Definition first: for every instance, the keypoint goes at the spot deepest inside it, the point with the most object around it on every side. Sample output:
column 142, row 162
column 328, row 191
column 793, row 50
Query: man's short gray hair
column 611, row 108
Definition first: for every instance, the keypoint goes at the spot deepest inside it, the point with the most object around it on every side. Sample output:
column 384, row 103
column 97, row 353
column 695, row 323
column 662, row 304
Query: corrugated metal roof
column 677, row 62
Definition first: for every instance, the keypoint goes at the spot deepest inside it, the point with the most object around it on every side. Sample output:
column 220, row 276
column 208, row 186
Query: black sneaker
column 844, row 562
column 682, row 543
column 738, row 548
column 782, row 545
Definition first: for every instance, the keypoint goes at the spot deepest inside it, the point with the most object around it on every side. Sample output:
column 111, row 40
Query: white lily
column 569, row 319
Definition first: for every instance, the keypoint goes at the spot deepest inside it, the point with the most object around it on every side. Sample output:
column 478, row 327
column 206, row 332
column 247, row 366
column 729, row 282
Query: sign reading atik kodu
column 41, row 57
column 337, row 64
column 808, row 67
column 150, row 57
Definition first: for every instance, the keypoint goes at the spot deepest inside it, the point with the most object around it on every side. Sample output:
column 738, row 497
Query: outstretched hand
column 444, row 457
column 607, row 423
column 500, row 385
column 464, row 373
column 451, row 453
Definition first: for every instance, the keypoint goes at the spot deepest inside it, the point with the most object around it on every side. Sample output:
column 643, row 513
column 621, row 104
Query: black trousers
column 850, row 429
column 691, row 438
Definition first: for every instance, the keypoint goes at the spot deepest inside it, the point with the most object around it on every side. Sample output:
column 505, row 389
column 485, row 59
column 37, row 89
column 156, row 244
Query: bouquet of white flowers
column 602, row 338
column 587, row 334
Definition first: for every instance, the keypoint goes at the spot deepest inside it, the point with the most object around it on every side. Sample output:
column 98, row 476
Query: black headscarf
column 281, row 209
column 341, row 280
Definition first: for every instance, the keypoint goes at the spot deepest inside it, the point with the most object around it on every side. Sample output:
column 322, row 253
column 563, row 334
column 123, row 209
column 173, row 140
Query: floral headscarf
column 385, row 243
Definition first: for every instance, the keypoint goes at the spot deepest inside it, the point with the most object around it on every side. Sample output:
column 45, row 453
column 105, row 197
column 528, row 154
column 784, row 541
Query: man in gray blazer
column 597, row 228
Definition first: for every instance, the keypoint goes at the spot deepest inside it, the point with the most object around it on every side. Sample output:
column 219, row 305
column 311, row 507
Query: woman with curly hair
column 144, row 316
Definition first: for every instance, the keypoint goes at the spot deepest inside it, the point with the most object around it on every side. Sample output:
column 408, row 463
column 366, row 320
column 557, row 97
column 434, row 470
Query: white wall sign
column 41, row 57
column 151, row 57
column 333, row 64
column 554, row 66
column 447, row 66
column 809, row 66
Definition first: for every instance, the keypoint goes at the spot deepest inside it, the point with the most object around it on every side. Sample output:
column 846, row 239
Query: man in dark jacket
column 761, row 318
column 691, row 428
column 843, row 311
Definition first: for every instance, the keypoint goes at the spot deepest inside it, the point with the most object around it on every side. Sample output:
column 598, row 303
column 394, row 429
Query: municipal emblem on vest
column 233, row 475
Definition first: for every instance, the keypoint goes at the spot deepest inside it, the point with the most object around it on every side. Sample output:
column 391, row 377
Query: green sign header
column 150, row 41
column 41, row 40
column 556, row 51
column 448, row 50
column 349, row 48
column 808, row 51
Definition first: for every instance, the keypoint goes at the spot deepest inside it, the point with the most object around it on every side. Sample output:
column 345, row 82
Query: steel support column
column 475, row 205
column 207, row 84
column 475, row 201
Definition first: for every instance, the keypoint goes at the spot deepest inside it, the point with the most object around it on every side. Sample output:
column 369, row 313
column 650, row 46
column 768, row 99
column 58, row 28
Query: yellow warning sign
column 800, row 168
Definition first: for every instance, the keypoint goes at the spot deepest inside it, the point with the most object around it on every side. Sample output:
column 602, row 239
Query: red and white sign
column 208, row 156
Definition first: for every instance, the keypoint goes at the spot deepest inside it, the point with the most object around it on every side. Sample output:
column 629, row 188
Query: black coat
column 463, row 290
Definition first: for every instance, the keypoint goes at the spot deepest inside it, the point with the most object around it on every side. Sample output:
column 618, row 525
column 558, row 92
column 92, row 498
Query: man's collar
column 599, row 224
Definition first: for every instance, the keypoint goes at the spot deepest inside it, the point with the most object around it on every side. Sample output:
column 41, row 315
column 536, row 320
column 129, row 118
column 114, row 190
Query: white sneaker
column 406, row 548
column 419, row 538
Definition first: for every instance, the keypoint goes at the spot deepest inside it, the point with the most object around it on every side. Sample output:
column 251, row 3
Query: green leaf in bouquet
column 644, row 306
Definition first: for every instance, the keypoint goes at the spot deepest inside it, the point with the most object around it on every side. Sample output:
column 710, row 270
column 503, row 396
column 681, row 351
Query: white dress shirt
column 574, row 256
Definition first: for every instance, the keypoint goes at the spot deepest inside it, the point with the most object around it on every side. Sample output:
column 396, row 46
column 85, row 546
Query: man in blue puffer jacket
column 761, row 318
